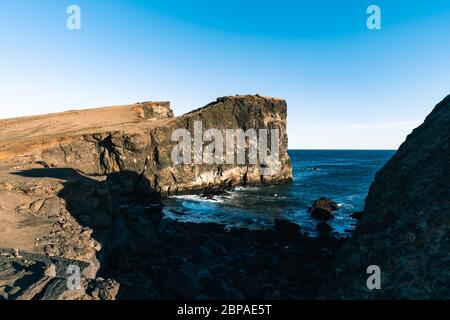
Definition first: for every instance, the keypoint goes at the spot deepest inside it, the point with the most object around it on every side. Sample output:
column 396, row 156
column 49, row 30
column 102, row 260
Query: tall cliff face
column 139, row 139
column 405, row 228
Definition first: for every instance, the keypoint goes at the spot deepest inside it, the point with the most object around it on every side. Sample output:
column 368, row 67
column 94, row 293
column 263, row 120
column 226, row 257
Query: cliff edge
column 405, row 227
column 138, row 138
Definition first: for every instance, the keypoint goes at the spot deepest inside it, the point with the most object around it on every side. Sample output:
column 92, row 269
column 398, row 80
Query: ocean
column 342, row 175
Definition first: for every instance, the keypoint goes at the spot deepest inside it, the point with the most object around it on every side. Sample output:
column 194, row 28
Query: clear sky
column 346, row 86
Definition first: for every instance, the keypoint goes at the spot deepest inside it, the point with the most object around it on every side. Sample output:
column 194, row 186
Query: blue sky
column 346, row 86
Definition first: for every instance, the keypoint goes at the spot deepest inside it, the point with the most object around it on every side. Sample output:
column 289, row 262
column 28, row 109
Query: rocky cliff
column 138, row 138
column 81, row 189
column 405, row 226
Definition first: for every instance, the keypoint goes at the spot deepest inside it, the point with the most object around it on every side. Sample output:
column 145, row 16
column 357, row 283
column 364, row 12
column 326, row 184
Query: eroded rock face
column 153, row 110
column 145, row 147
column 26, row 276
column 405, row 228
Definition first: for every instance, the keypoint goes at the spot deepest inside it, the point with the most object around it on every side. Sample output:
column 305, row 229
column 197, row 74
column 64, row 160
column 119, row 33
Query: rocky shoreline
column 117, row 234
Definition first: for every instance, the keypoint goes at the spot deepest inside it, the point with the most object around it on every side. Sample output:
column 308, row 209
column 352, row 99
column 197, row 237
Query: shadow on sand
column 122, row 210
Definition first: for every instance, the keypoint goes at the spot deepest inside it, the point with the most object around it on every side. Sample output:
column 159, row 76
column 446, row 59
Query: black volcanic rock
column 287, row 228
column 322, row 209
column 324, row 227
column 357, row 215
column 405, row 229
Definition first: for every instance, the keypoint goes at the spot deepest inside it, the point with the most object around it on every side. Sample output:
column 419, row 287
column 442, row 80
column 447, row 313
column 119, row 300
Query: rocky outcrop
column 152, row 110
column 323, row 209
column 28, row 276
column 405, row 228
column 144, row 145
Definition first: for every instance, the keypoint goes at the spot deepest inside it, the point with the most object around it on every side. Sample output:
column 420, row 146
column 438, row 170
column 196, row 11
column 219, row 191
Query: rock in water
column 323, row 208
column 405, row 229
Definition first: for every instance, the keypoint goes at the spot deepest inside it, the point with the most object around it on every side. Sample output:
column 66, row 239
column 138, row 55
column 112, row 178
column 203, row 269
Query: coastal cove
column 83, row 201
column 342, row 175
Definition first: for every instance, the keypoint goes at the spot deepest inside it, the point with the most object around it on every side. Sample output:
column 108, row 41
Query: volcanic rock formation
column 405, row 227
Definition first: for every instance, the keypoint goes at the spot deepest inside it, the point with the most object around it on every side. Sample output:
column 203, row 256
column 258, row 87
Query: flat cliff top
column 24, row 134
column 18, row 134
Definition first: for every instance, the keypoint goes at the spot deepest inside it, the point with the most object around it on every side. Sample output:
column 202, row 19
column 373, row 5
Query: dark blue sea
column 342, row 175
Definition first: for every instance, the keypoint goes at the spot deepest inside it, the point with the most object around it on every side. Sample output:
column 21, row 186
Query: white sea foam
column 197, row 198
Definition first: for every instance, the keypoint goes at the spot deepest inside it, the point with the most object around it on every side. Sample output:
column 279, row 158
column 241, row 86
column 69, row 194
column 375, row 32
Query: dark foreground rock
column 27, row 276
column 357, row 215
column 203, row 261
column 173, row 260
column 114, row 227
column 405, row 228
column 324, row 227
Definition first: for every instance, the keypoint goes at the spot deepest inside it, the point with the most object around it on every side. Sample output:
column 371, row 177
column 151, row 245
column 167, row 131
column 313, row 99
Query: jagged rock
column 103, row 289
column 34, row 276
column 323, row 208
column 405, row 229
column 211, row 192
